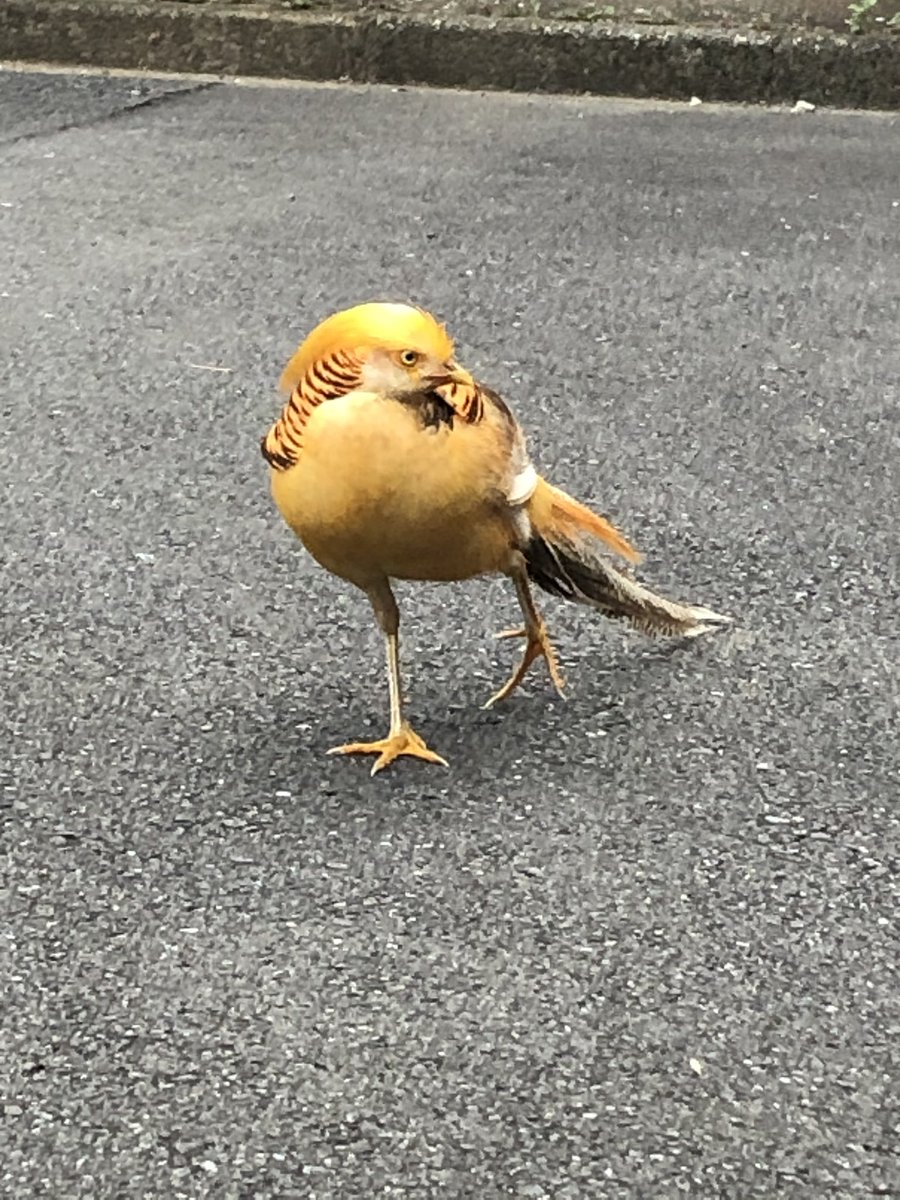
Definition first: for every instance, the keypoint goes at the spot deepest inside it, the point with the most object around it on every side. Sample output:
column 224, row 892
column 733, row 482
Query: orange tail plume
column 554, row 512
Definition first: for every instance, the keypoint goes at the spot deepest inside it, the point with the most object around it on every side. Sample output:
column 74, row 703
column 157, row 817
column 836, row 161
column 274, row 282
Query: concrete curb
column 512, row 54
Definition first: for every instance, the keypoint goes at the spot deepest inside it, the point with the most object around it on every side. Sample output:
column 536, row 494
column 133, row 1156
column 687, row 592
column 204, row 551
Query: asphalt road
column 641, row 944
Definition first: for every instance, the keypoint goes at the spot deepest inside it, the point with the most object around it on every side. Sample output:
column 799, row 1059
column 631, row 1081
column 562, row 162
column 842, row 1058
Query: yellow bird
column 389, row 461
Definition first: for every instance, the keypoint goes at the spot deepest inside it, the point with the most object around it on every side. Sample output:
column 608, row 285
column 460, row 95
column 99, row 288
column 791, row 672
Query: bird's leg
column 537, row 644
column 402, row 738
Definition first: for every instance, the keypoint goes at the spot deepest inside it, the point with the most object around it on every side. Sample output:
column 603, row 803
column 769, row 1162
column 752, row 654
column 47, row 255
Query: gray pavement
column 639, row 944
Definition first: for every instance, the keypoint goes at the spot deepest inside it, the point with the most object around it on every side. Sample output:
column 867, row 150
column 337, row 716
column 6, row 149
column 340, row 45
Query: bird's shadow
column 279, row 744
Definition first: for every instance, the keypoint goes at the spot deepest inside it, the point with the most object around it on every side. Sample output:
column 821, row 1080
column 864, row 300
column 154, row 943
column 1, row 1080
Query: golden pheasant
column 389, row 461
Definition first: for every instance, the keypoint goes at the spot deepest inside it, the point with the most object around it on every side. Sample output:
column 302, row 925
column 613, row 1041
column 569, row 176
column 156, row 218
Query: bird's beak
column 449, row 372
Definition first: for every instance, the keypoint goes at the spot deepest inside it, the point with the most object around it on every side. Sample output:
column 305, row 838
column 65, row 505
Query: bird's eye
column 409, row 358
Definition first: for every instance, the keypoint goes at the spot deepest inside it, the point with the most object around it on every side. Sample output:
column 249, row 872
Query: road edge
column 512, row 54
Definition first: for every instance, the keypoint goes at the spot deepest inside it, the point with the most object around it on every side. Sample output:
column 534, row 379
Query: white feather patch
column 522, row 487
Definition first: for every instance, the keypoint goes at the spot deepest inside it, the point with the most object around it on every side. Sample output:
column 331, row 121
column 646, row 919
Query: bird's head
column 400, row 350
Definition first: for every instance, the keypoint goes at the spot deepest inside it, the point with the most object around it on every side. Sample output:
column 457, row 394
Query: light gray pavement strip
column 642, row 943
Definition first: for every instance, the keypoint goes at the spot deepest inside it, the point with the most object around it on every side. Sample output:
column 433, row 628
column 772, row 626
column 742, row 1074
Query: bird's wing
column 520, row 478
column 537, row 503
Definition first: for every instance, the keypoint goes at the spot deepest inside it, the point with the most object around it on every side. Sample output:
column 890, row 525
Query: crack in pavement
column 86, row 121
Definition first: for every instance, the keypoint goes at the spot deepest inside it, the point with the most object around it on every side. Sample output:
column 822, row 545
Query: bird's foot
column 537, row 645
column 404, row 741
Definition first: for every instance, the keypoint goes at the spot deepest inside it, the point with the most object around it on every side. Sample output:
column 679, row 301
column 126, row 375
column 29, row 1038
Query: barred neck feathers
column 334, row 375
column 465, row 399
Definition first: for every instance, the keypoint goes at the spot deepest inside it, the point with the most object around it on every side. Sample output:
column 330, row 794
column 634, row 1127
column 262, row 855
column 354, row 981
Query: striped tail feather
column 576, row 569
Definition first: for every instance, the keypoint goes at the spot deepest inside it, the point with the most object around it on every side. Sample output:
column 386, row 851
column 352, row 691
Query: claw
column 404, row 742
column 538, row 645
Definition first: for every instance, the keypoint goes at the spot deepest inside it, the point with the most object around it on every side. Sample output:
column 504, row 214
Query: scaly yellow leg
column 402, row 738
column 537, row 644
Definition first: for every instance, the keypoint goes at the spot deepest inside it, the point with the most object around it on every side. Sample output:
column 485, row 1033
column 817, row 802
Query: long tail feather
column 565, row 557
